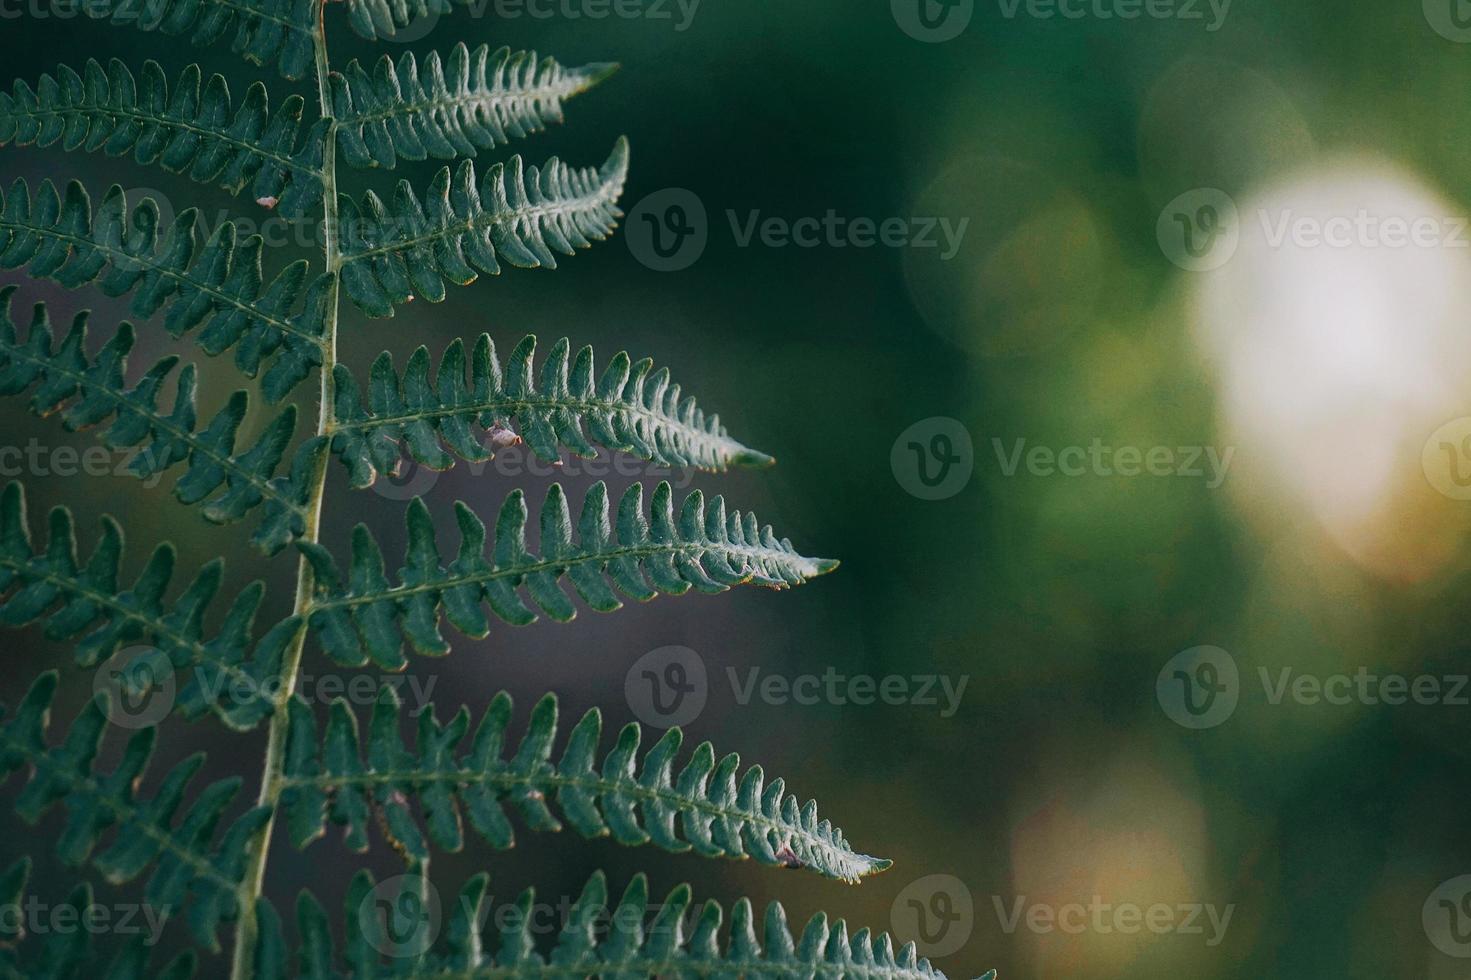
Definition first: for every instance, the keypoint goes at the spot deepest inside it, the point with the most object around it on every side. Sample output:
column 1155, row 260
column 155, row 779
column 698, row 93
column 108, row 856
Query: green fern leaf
column 90, row 392
column 471, row 102
column 187, row 865
column 220, row 284
column 379, row 19
column 630, row 408
column 596, row 941
column 66, row 953
column 703, row 549
column 194, row 131
column 522, row 214
column 719, row 812
column 89, row 602
column 263, row 32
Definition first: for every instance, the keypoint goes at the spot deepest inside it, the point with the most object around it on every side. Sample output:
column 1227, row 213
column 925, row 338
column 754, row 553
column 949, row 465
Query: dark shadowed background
column 1175, row 234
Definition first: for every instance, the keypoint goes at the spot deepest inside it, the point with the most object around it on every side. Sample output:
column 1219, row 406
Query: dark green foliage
column 630, row 408
column 595, row 941
column 365, row 616
column 705, row 806
column 186, row 862
column 89, row 392
column 219, row 284
column 470, row 102
column 464, row 226
column 88, row 601
column 66, row 953
column 202, row 850
column 263, row 32
column 374, row 19
column 194, row 131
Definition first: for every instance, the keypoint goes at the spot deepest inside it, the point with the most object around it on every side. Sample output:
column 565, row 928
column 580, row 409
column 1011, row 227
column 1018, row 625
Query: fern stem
column 272, row 778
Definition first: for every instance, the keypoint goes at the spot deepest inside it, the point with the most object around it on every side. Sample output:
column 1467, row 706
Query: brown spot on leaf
column 501, row 437
column 788, row 857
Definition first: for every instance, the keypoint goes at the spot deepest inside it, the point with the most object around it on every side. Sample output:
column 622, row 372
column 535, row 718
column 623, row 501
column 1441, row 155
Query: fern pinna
column 281, row 327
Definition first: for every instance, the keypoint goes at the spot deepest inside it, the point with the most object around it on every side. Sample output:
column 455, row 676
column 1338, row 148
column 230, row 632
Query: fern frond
column 473, row 101
column 90, row 392
column 263, row 32
column 630, row 408
column 719, row 811
column 188, row 864
column 67, row 953
column 519, row 213
column 377, row 19
column 367, row 617
column 192, row 131
column 89, row 602
column 219, row 284
column 626, row 941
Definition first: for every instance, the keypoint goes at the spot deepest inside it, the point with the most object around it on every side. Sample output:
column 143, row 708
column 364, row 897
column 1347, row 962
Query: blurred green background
column 1062, row 319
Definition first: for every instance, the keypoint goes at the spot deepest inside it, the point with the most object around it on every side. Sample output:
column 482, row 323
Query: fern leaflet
column 263, row 32
column 89, row 392
column 67, row 953
column 625, row 941
column 88, row 601
column 472, row 101
column 188, row 864
column 194, row 131
column 522, row 214
column 719, row 812
column 705, row 549
column 220, row 285
column 630, row 408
